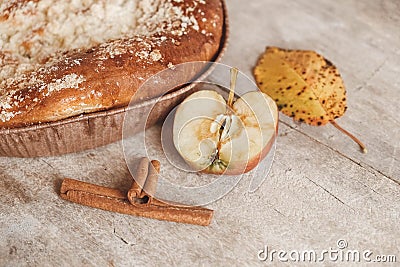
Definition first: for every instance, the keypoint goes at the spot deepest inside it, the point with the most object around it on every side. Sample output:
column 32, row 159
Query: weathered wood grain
column 320, row 189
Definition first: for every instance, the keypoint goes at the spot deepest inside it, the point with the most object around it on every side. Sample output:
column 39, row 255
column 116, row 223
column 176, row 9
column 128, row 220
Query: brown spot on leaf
column 318, row 77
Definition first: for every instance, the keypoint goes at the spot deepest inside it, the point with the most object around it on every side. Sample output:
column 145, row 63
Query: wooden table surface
column 321, row 189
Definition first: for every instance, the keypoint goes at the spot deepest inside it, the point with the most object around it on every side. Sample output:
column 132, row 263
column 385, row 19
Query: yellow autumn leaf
column 305, row 86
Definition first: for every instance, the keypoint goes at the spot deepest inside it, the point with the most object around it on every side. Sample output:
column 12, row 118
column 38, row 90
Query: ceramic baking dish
column 96, row 129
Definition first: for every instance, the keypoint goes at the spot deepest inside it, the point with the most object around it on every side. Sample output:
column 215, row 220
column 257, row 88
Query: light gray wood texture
column 321, row 188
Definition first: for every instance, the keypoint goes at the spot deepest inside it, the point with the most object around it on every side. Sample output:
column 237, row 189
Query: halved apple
column 214, row 137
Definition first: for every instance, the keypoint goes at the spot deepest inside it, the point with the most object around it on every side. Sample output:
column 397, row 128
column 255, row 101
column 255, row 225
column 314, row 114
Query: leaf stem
column 355, row 139
column 234, row 74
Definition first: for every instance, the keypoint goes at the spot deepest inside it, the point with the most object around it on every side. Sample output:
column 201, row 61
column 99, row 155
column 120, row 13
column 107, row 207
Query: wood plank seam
column 361, row 164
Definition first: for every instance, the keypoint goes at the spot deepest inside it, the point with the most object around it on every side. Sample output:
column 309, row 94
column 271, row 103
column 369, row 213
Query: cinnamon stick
column 139, row 180
column 145, row 180
column 150, row 186
column 116, row 201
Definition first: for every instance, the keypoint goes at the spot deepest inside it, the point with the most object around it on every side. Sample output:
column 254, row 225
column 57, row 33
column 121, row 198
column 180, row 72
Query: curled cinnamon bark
column 144, row 183
column 139, row 180
column 150, row 186
column 137, row 201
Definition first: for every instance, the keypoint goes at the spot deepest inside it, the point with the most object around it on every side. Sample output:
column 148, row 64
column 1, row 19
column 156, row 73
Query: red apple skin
column 246, row 166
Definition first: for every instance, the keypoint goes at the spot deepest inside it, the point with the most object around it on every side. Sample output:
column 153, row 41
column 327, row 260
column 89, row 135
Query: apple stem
column 234, row 74
column 355, row 139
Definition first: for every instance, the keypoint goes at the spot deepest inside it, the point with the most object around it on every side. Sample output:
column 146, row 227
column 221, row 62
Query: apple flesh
column 216, row 138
